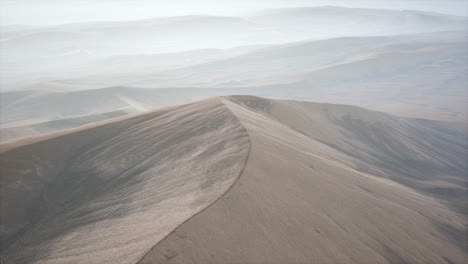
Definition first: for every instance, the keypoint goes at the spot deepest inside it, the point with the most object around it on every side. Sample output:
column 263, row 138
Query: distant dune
column 26, row 107
column 32, row 55
column 239, row 179
column 18, row 132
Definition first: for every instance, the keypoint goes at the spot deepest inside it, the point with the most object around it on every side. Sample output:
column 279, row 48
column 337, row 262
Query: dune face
column 234, row 131
column 303, row 199
column 238, row 179
column 107, row 194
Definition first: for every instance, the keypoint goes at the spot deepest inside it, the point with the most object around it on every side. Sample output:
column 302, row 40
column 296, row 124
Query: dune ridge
column 239, row 179
column 134, row 180
column 354, row 216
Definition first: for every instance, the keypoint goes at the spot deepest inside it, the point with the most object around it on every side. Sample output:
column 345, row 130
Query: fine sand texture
column 238, row 179
column 302, row 199
column 107, row 194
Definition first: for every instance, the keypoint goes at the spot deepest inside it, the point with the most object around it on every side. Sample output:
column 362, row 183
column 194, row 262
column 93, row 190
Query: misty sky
column 53, row 12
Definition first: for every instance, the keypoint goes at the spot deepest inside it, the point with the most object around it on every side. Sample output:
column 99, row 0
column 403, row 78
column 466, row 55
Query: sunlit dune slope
column 332, row 184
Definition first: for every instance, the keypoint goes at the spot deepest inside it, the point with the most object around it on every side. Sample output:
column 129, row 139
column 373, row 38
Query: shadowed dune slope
column 108, row 193
column 333, row 184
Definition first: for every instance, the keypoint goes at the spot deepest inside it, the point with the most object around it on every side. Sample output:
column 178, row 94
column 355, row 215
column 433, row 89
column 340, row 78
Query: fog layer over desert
column 299, row 131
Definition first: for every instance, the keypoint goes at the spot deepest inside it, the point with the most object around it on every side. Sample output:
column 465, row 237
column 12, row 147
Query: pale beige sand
column 238, row 180
column 303, row 200
column 107, row 194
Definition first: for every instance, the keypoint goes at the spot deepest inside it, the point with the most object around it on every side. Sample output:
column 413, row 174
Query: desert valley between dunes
column 234, row 132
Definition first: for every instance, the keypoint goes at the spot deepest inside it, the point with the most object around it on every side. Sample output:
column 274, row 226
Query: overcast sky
column 52, row 12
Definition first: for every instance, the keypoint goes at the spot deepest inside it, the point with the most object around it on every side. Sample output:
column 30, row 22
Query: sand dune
column 239, row 179
column 303, row 200
column 293, row 61
column 108, row 194
column 418, row 75
column 26, row 107
column 18, row 132
column 32, row 55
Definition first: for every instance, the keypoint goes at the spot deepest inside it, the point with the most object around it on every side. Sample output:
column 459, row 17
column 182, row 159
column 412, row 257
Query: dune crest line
column 134, row 179
column 221, row 196
column 323, row 183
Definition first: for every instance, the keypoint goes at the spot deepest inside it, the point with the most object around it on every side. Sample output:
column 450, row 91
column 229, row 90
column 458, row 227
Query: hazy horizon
column 233, row 131
column 54, row 12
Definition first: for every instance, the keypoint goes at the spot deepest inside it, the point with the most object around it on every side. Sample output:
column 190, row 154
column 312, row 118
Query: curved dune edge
column 221, row 235
column 211, row 152
column 284, row 185
column 217, row 199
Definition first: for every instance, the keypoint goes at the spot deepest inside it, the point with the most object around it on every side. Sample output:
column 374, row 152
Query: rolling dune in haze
column 36, row 54
column 234, row 131
column 238, row 179
column 40, row 106
column 17, row 132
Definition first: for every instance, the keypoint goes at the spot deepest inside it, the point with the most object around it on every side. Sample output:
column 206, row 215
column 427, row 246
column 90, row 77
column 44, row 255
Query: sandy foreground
column 238, row 179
